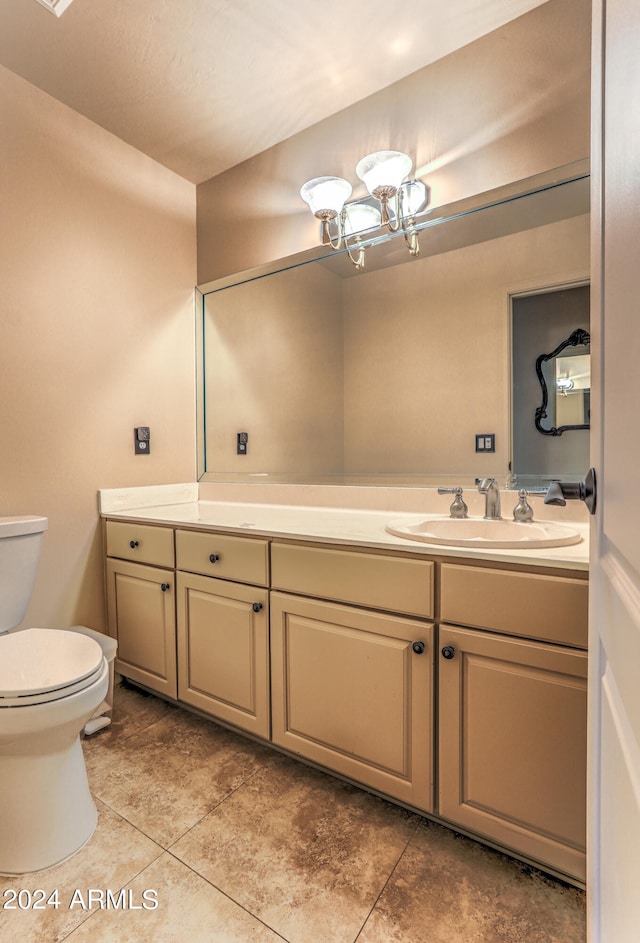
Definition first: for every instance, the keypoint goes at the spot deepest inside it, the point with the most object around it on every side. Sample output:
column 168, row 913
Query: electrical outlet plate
column 142, row 440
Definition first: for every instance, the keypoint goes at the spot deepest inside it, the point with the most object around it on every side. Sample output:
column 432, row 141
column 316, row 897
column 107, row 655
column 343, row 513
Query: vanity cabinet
column 513, row 711
column 456, row 687
column 141, row 603
column 223, row 628
column 352, row 688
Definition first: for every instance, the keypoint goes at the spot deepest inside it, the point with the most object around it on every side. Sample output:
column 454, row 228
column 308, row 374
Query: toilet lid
column 39, row 665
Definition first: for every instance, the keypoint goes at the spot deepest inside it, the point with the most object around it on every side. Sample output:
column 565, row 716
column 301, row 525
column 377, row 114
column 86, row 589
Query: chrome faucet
column 489, row 488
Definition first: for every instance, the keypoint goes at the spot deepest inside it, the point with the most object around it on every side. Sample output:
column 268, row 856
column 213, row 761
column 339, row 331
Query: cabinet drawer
column 143, row 543
column 377, row 581
column 230, row 558
column 550, row 608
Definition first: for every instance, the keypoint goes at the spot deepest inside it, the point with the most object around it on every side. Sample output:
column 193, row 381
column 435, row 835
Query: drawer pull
column 165, row 586
column 418, row 647
column 448, row 651
column 133, row 544
column 214, row 557
column 257, row 607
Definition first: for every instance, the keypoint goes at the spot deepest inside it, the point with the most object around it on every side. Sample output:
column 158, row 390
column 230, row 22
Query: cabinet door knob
column 165, row 586
column 213, row 557
column 133, row 544
column 418, row 647
column 257, row 606
column 448, row 651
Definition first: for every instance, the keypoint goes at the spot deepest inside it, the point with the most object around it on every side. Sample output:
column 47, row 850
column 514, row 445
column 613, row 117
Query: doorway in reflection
column 542, row 322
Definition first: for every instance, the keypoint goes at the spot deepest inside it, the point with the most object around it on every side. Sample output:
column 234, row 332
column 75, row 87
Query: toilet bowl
column 51, row 683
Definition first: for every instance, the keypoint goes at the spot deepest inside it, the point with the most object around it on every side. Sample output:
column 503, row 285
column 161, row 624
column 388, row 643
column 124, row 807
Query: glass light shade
column 414, row 197
column 326, row 195
column 57, row 7
column 384, row 170
column 360, row 216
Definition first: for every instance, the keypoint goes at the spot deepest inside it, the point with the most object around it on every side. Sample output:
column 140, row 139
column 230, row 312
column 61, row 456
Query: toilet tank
column 20, row 541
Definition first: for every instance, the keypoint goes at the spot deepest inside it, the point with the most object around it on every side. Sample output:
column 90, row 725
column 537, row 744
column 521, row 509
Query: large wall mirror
column 390, row 375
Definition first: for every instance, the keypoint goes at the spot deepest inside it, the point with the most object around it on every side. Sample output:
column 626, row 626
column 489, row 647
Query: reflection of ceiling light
column 383, row 173
column 57, row 7
column 359, row 217
column 564, row 385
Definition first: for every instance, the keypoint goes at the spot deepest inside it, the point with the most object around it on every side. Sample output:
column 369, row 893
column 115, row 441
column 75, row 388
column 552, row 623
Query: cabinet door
column 141, row 611
column 512, row 744
column 350, row 693
column 223, row 646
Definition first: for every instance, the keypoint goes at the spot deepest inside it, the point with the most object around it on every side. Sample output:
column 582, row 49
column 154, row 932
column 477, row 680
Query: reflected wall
column 381, row 377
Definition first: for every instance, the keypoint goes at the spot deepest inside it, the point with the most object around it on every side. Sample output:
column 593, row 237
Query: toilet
column 51, row 683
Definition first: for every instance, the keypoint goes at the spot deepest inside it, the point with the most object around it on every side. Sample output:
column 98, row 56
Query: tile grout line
column 386, row 883
column 224, row 893
column 126, row 884
column 170, row 845
column 124, row 738
column 213, row 808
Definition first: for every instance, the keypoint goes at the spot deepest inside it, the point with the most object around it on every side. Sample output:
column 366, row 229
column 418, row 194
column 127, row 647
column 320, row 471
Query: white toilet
column 51, row 682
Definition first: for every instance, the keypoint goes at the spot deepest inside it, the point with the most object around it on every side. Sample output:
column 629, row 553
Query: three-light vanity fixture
column 400, row 200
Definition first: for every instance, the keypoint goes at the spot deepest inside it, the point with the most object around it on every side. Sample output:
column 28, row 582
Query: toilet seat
column 42, row 665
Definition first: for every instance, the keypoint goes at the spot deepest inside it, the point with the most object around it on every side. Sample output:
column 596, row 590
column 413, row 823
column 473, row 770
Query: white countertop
column 359, row 528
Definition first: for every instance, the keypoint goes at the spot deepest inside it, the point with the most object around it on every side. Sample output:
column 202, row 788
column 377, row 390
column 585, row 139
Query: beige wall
column 514, row 103
column 427, row 351
column 97, row 254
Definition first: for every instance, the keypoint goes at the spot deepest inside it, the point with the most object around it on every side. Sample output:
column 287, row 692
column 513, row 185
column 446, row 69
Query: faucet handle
column 523, row 510
column 458, row 507
column 561, row 491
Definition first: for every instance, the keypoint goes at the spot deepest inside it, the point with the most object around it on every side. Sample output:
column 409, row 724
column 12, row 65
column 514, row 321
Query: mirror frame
column 579, row 338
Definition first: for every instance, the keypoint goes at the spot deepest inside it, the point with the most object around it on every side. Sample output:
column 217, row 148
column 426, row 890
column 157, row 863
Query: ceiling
column 202, row 85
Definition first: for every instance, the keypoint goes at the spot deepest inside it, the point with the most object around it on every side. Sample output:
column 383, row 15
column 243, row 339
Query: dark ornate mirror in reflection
column 565, row 379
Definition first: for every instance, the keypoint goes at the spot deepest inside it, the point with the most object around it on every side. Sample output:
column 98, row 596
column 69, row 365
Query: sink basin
column 477, row 532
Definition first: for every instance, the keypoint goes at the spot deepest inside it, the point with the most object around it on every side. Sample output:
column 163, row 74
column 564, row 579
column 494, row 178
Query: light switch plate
column 486, row 442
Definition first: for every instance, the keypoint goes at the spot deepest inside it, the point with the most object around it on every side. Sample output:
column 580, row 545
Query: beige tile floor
column 238, row 844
